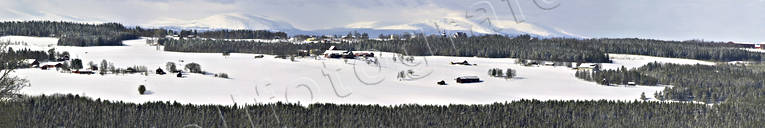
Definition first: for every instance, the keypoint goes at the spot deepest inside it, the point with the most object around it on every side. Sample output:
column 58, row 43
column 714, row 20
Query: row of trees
column 26, row 53
column 242, row 34
column 96, row 40
column 507, row 74
column 58, row 111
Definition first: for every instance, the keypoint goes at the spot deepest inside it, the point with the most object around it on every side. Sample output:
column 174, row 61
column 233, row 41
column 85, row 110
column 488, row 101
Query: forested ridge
column 703, row 83
column 242, row 34
column 220, row 46
column 111, row 34
column 494, row 46
column 561, row 49
column 70, row 34
column 76, row 111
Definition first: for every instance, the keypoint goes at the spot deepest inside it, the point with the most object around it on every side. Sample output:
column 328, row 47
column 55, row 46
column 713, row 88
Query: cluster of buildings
column 335, row 53
column 748, row 45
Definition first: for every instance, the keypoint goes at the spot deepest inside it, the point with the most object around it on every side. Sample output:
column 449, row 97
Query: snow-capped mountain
column 452, row 25
column 448, row 25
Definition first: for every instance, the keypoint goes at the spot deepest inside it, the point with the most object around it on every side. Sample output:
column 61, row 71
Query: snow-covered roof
column 468, row 77
column 334, row 51
column 29, row 60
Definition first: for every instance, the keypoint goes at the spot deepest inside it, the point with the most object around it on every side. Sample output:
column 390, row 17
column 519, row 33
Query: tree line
column 58, row 111
column 26, row 53
column 229, row 46
column 497, row 46
column 559, row 49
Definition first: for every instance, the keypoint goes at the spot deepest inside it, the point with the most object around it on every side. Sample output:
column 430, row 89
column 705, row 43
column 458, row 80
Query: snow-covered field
column 310, row 80
column 635, row 61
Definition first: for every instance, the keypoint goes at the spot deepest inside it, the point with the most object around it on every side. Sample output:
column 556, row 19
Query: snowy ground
column 309, row 80
column 754, row 49
column 635, row 61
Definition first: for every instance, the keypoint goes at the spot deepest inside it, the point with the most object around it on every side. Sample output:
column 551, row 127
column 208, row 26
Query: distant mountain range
column 448, row 25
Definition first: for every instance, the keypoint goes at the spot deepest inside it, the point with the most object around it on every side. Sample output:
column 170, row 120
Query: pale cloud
column 525, row 27
column 363, row 24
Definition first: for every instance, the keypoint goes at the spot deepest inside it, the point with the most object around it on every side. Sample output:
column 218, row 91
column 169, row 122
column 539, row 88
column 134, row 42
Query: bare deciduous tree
column 9, row 85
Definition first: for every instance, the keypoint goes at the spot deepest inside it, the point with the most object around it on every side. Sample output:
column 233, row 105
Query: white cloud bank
column 735, row 20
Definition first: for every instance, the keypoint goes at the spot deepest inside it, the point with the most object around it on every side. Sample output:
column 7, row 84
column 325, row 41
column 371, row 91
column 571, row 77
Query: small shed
column 160, row 71
column 549, row 64
column 35, row 64
column 83, row 72
column 131, row 70
column 365, row 54
column 462, row 63
column 441, row 82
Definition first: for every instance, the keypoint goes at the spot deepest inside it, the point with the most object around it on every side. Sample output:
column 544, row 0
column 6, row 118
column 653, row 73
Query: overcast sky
column 718, row 20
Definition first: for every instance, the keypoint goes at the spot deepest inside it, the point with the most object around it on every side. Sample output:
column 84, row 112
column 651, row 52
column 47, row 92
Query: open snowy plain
column 312, row 80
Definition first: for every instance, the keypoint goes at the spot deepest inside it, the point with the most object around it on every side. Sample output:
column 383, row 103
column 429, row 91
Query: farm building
column 48, row 66
column 364, row 54
column 586, row 67
column 334, row 53
column 468, row 79
column 32, row 62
